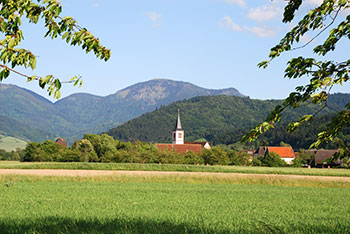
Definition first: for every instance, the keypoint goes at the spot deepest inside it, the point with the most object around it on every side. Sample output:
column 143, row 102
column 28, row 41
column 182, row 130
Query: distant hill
column 32, row 110
column 220, row 119
column 11, row 127
column 81, row 113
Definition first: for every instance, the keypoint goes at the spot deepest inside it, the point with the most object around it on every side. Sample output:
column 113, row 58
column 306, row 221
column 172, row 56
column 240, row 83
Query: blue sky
column 210, row 43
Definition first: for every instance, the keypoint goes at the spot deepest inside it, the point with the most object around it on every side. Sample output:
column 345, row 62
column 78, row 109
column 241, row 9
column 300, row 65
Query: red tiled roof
column 62, row 142
column 284, row 152
column 322, row 155
column 180, row 148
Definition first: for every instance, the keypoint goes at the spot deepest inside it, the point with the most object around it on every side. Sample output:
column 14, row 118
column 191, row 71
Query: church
column 178, row 138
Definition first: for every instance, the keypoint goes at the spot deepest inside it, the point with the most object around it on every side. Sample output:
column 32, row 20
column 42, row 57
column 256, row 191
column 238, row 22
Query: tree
column 86, row 150
column 240, row 159
column 215, row 156
column 43, row 152
column 11, row 56
column 323, row 74
column 273, row 159
column 305, row 158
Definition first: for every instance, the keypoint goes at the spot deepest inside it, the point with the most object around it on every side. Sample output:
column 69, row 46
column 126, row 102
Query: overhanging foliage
column 11, row 14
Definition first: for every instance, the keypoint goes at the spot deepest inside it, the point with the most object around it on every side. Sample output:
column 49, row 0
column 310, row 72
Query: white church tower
column 178, row 133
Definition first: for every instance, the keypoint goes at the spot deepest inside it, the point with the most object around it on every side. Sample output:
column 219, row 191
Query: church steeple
column 178, row 122
column 178, row 133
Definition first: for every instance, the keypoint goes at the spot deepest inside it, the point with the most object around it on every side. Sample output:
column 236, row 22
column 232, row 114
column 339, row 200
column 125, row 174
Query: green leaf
column 58, row 83
column 263, row 64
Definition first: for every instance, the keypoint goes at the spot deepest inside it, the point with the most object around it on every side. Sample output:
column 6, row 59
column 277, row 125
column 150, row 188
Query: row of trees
column 103, row 148
column 15, row 155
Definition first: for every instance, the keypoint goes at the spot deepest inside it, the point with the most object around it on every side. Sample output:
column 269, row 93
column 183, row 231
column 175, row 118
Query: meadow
column 9, row 144
column 175, row 167
column 173, row 204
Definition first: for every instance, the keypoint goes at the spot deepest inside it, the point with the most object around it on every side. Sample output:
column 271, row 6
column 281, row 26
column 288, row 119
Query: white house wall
column 288, row 160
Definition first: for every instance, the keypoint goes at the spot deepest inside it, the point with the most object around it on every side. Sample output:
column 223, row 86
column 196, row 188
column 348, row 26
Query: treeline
column 14, row 155
column 103, row 148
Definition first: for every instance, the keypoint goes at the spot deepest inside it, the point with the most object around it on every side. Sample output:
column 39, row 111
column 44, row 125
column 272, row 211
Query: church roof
column 178, row 122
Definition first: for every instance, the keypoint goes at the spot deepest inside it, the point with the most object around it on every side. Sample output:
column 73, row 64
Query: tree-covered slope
column 220, row 119
column 199, row 116
column 33, row 110
column 14, row 128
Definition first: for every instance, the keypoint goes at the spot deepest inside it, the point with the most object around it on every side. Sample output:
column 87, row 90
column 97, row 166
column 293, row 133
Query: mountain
column 91, row 111
column 32, row 110
column 220, row 119
column 81, row 113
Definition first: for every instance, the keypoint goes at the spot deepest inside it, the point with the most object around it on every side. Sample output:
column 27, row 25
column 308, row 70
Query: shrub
column 70, row 156
column 13, row 155
column 43, row 152
column 273, row 160
column 240, row 159
column 193, row 158
column 95, row 140
column 86, row 150
column 167, row 157
column 145, row 152
column 307, row 157
column 297, row 162
column 33, row 152
column 257, row 161
column 215, row 156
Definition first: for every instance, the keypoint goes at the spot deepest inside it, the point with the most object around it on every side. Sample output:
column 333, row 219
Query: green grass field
column 9, row 144
column 176, row 167
column 33, row 204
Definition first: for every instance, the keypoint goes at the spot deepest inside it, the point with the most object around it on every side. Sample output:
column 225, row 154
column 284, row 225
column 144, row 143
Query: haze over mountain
column 81, row 113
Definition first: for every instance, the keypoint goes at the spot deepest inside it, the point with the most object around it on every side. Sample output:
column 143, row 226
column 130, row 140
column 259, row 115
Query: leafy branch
column 323, row 75
column 11, row 13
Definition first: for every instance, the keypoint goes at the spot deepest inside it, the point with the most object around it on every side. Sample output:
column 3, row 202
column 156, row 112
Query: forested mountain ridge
column 132, row 101
column 86, row 113
column 32, row 110
column 219, row 119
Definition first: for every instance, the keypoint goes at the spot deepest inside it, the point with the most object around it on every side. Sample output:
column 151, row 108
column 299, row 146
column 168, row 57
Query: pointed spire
column 178, row 122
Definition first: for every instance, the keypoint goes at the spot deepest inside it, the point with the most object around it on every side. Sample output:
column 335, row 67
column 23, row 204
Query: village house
column 286, row 153
column 204, row 144
column 61, row 141
column 322, row 158
column 179, row 145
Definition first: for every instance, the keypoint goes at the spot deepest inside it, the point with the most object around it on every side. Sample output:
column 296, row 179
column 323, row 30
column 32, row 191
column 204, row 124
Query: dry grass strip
column 173, row 177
